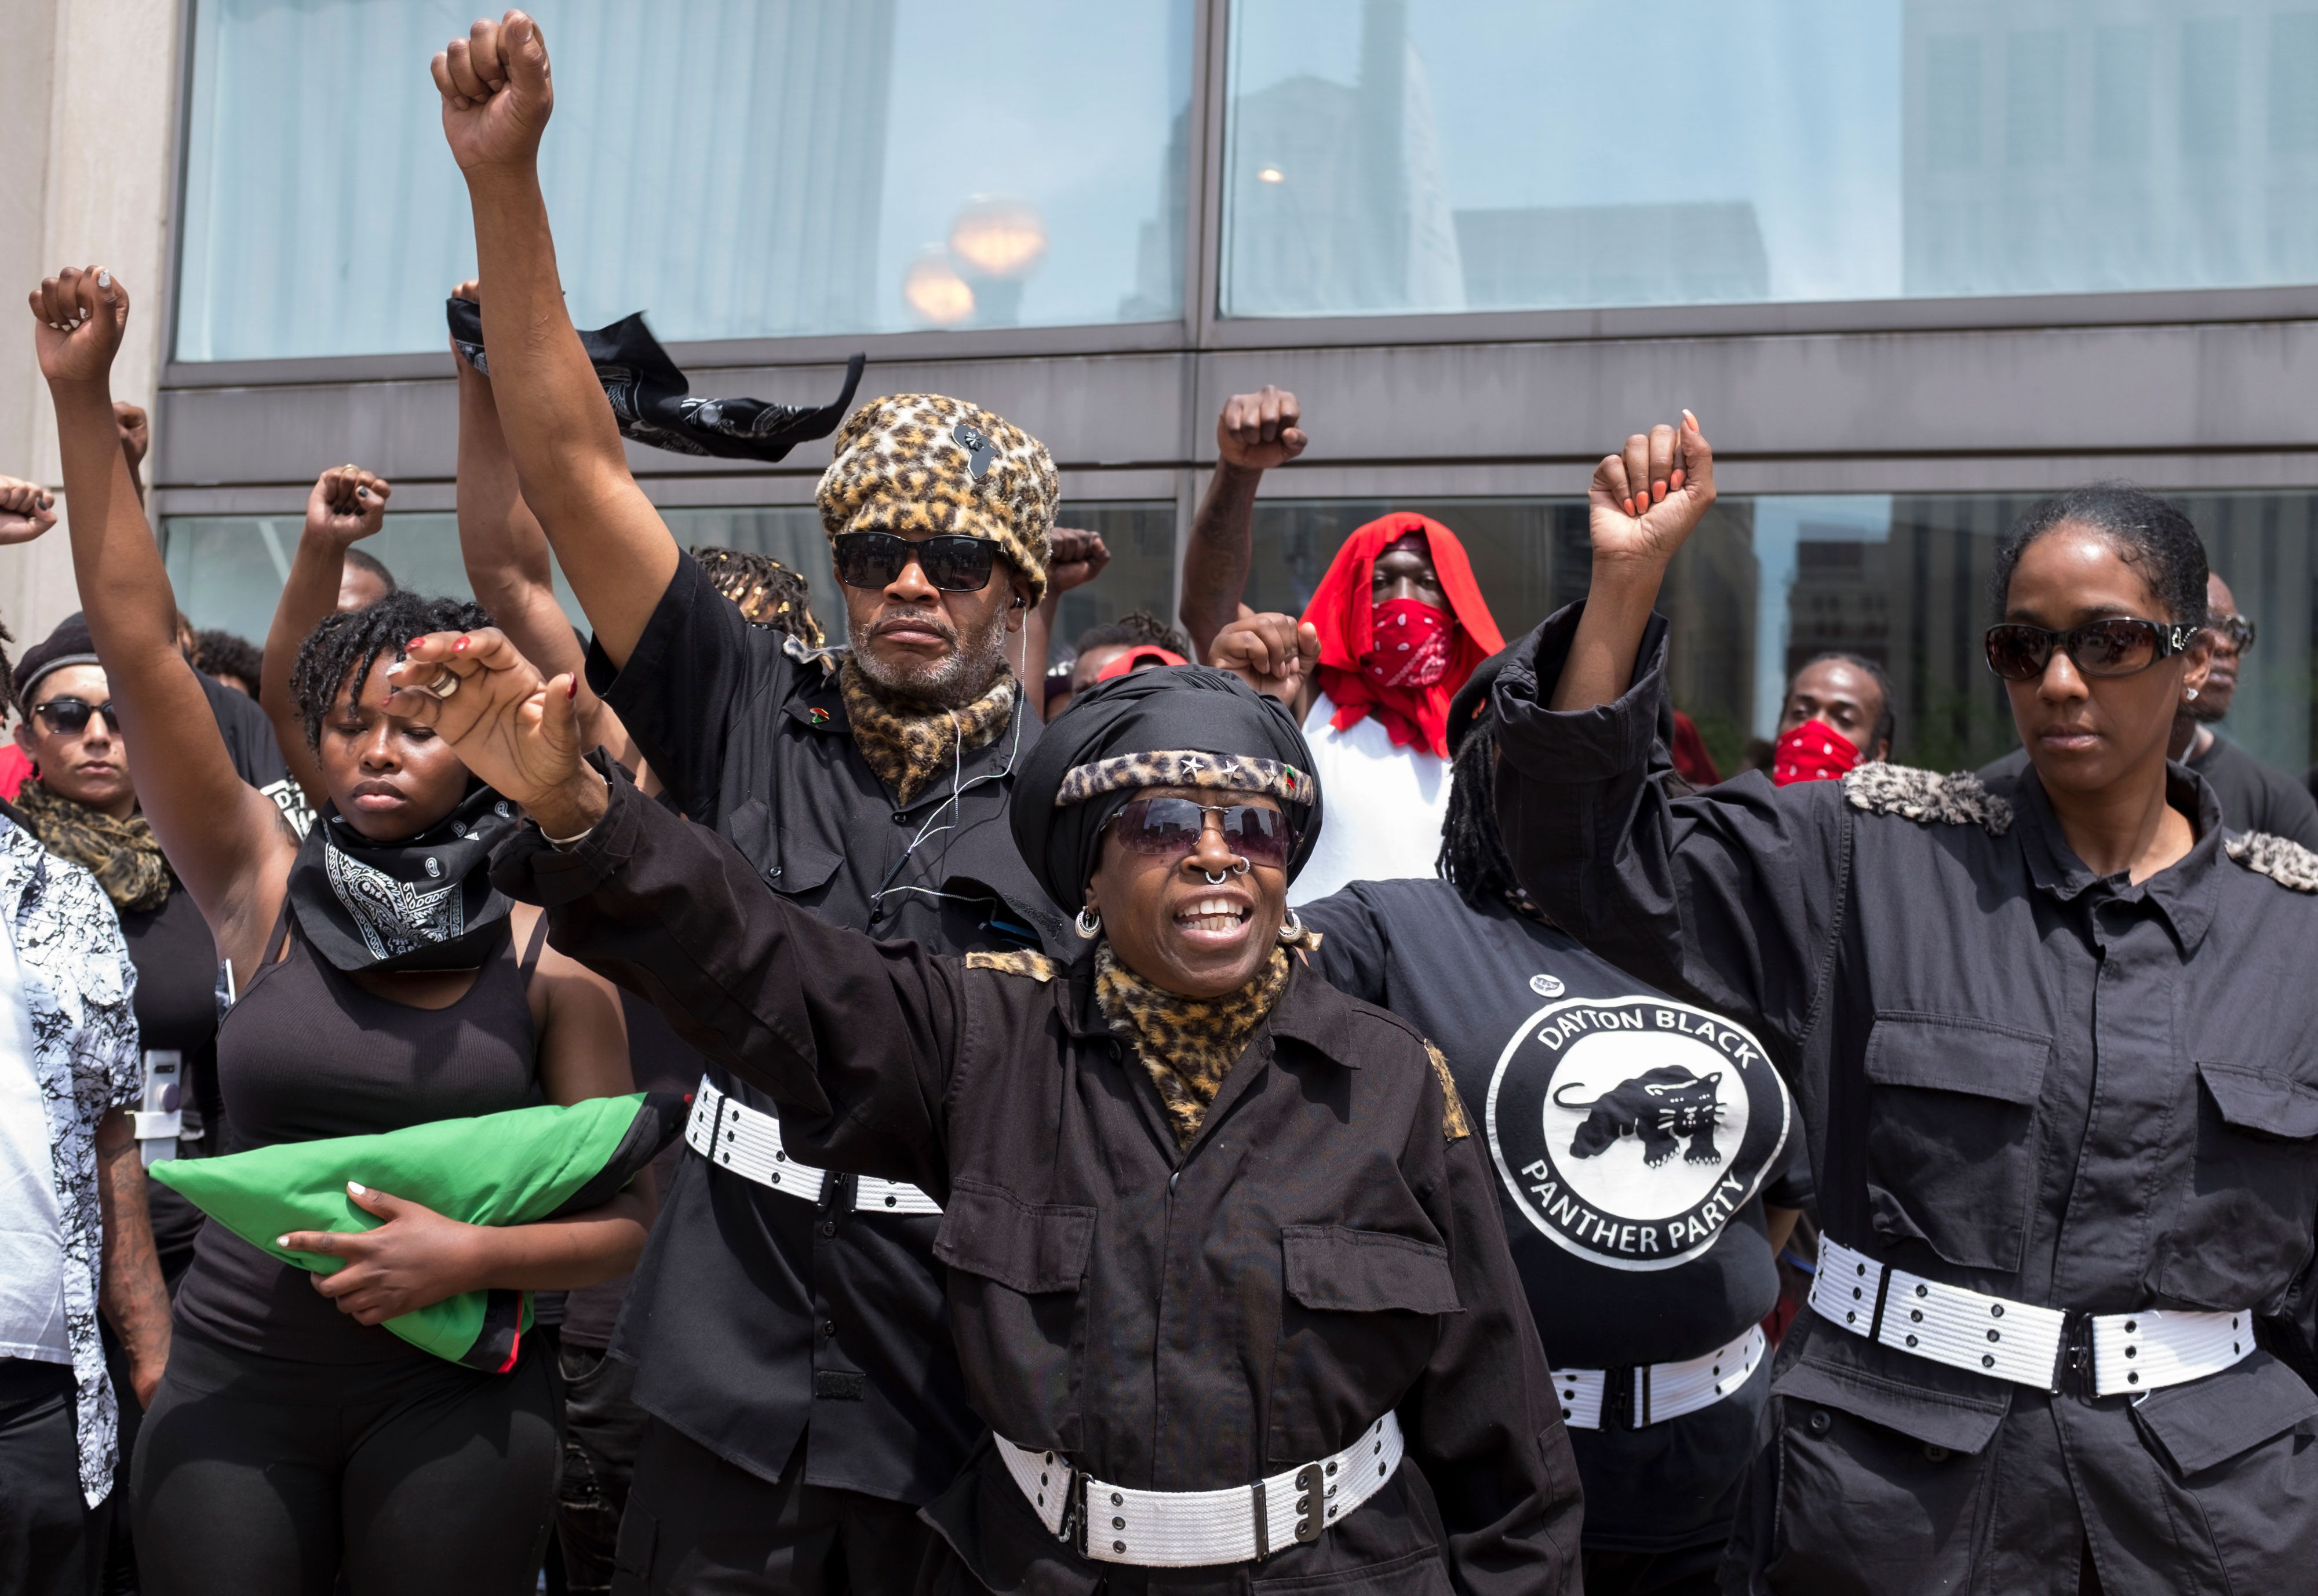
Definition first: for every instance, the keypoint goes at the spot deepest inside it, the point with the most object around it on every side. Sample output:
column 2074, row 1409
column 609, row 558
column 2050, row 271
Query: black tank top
column 176, row 1009
column 306, row 1053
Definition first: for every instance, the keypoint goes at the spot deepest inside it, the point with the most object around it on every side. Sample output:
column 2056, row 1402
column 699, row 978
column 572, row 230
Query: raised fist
column 26, row 511
column 136, row 432
column 347, row 506
column 1260, row 430
column 80, row 316
column 496, row 93
column 1274, row 654
column 1645, row 502
column 1075, row 557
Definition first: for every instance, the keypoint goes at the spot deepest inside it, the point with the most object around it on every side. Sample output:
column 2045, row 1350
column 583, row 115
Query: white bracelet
column 577, row 838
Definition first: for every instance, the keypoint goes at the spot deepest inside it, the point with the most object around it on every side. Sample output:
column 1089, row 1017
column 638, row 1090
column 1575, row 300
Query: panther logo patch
column 1630, row 1130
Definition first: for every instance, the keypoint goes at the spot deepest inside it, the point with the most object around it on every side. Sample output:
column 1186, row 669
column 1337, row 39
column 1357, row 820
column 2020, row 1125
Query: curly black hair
column 1137, row 629
column 338, row 653
column 767, row 592
column 222, row 653
column 2152, row 534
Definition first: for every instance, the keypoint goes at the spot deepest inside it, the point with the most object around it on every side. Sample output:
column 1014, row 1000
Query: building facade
column 1912, row 263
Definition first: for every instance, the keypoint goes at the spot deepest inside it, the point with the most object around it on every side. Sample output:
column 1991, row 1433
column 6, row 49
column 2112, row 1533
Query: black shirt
column 1533, row 1027
column 2253, row 796
column 2016, row 1077
column 1164, row 1319
column 752, row 1313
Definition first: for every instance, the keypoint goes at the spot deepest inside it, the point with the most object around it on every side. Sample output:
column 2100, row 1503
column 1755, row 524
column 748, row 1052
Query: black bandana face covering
column 425, row 903
column 651, row 399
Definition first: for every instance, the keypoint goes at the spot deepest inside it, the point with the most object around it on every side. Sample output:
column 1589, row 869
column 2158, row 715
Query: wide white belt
column 1201, row 1528
column 1655, row 1392
column 733, row 1137
column 2020, row 1341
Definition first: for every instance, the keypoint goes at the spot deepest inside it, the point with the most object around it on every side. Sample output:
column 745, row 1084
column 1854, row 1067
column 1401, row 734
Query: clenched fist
column 1260, row 430
column 26, row 511
column 347, row 506
column 79, row 315
column 496, row 93
column 1645, row 501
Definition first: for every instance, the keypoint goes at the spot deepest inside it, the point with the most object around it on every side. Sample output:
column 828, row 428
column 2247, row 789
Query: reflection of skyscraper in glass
column 1338, row 201
column 2077, row 145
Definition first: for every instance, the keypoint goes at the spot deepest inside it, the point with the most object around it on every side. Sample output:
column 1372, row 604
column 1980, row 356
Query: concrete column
column 90, row 88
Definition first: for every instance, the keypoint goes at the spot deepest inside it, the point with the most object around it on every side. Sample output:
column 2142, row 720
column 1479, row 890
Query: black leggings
column 265, row 1477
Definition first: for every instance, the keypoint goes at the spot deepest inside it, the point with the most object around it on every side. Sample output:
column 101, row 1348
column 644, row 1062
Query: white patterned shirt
column 78, row 986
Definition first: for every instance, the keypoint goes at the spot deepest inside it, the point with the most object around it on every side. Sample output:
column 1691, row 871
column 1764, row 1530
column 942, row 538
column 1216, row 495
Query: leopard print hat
column 924, row 463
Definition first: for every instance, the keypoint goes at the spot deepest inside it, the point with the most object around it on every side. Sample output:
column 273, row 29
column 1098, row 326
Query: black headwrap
column 1116, row 739
column 651, row 397
column 423, row 903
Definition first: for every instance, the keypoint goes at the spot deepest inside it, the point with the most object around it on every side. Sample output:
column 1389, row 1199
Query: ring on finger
column 446, row 683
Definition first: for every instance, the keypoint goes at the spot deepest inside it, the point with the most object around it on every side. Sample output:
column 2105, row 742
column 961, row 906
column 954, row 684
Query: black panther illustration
column 1658, row 1106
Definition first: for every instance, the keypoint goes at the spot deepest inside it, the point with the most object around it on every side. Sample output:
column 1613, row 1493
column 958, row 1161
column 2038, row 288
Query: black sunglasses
column 2237, row 632
column 1170, row 828
column 2120, row 647
column 952, row 561
column 68, row 717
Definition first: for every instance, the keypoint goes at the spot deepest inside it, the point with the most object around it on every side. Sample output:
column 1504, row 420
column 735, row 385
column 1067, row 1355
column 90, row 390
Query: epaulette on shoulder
column 1960, row 798
column 1455, row 1126
column 2287, row 863
column 1022, row 961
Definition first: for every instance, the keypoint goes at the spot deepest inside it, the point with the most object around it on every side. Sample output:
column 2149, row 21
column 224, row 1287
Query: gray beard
column 961, row 679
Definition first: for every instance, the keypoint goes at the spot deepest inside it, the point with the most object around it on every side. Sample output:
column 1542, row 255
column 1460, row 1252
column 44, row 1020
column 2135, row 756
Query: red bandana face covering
column 1814, row 751
column 1412, row 645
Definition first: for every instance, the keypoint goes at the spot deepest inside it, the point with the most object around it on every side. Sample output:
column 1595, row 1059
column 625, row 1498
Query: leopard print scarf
column 910, row 747
column 124, row 855
column 1189, row 1044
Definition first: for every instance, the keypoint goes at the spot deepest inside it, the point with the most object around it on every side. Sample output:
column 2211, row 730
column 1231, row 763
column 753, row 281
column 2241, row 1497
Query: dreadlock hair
column 1473, row 856
column 767, row 592
column 339, row 652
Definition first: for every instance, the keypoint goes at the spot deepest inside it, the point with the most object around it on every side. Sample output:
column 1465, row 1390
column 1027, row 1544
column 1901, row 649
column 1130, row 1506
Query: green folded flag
column 516, row 1167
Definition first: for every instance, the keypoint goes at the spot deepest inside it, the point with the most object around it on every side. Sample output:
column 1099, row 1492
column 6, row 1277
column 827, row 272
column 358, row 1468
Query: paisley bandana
column 1188, row 1045
column 910, row 747
column 1814, row 751
column 1412, row 644
column 425, row 903
column 124, row 855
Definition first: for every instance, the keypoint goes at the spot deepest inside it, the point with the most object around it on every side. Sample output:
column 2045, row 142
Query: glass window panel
column 755, row 169
column 1488, row 155
column 1769, row 582
column 228, row 570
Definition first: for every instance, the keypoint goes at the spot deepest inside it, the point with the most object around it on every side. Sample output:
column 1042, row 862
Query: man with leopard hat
column 785, row 1323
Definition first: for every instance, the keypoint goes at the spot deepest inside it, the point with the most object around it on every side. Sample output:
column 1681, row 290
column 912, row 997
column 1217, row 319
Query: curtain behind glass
column 738, row 168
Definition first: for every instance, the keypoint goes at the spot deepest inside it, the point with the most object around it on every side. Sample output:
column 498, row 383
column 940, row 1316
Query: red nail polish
column 571, row 688
column 461, row 646
column 1658, row 492
column 1676, row 478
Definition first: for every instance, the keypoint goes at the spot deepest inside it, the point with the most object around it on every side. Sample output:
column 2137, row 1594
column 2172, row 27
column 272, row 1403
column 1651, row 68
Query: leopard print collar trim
column 1183, row 767
column 1188, row 1045
column 910, row 747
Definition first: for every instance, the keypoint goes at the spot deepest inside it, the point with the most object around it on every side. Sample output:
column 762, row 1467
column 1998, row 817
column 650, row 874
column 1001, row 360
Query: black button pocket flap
column 2262, row 1102
column 1365, row 1271
column 2212, row 1420
column 1951, row 1054
column 1960, row 1423
column 1026, row 1247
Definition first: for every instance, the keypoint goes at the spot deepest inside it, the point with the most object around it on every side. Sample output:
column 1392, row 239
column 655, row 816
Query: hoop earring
column 1291, row 930
column 1090, row 923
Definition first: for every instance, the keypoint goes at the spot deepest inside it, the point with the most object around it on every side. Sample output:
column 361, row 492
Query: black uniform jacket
column 753, row 1315
column 2253, row 796
column 2014, row 1077
column 1171, row 1321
